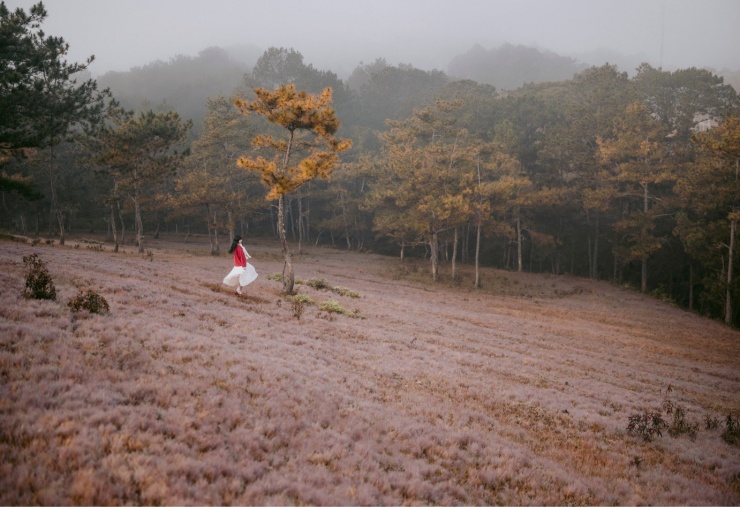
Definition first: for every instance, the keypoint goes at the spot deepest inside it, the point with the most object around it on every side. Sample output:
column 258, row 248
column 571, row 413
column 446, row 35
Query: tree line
column 601, row 175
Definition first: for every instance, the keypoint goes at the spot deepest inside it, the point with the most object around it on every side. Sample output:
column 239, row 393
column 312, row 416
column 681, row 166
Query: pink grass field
column 186, row 394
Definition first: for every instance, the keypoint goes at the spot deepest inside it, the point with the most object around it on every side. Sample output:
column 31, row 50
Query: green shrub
column 299, row 301
column 318, row 284
column 89, row 300
column 39, row 284
column 343, row 291
column 647, row 425
column 331, row 306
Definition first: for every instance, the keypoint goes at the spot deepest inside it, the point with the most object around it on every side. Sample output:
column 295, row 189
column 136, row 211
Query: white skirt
column 241, row 276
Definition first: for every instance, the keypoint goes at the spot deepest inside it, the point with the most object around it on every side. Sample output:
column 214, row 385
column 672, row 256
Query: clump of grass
column 39, row 284
column 331, row 306
column 318, row 284
column 89, row 300
column 343, row 291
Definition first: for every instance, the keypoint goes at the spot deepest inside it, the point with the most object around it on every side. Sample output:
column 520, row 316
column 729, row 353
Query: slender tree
column 309, row 123
column 141, row 149
column 636, row 155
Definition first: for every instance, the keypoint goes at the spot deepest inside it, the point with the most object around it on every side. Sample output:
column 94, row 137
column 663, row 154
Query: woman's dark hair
column 234, row 243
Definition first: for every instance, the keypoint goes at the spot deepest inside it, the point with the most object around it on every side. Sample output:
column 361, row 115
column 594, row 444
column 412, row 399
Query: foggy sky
column 337, row 35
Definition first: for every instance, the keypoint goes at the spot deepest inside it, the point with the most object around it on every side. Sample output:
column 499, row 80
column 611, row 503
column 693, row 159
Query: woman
column 243, row 274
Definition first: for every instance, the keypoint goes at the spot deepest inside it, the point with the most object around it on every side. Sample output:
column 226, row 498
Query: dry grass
column 187, row 394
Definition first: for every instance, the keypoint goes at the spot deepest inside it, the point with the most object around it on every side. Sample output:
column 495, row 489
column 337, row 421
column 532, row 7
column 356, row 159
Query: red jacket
column 239, row 258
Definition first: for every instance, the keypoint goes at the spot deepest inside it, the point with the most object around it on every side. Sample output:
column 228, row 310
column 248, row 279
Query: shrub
column 318, row 284
column 89, row 300
column 680, row 426
column 343, row 291
column 711, row 423
column 39, row 284
column 647, row 425
column 731, row 435
column 299, row 301
column 331, row 306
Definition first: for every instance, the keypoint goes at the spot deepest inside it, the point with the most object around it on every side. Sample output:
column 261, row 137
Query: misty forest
column 515, row 168
column 520, row 160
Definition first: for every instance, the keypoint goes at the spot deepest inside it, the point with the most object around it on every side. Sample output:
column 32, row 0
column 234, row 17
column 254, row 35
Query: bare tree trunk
column 728, row 295
column 344, row 220
column 231, row 226
column 691, row 286
column 54, row 197
column 594, row 272
column 643, row 278
column 300, row 224
column 477, row 252
column 212, row 229
column 123, row 224
column 454, row 257
column 113, row 227
column 519, row 242
column 288, row 275
column 434, row 246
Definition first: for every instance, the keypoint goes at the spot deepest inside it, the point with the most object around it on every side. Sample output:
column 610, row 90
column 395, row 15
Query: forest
column 522, row 160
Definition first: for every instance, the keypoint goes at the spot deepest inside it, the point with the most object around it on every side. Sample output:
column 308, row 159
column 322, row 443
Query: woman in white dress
column 243, row 273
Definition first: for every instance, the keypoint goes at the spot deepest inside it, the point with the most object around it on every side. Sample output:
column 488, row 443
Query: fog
column 339, row 34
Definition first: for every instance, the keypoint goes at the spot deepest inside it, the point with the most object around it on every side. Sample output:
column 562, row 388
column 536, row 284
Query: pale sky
column 339, row 34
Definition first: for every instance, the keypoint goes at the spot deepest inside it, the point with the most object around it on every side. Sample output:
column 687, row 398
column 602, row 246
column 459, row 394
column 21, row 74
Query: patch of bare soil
column 377, row 387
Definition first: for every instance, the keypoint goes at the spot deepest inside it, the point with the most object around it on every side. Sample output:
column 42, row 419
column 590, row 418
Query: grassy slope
column 186, row 394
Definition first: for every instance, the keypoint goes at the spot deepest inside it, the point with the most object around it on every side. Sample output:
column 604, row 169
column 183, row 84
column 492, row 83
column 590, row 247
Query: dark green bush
column 89, row 300
column 647, row 425
column 39, row 284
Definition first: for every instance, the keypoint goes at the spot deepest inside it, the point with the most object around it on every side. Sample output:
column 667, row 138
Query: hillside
column 187, row 394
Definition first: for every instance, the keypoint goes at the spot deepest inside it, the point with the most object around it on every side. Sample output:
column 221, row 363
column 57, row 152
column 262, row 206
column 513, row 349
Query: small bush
column 680, row 426
column 647, row 425
column 331, row 306
column 318, row 284
column 39, row 284
column 711, row 423
column 89, row 300
column 343, row 291
column 299, row 302
column 731, row 435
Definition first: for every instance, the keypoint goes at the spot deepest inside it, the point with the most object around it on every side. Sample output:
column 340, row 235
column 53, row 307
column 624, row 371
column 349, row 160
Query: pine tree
column 309, row 124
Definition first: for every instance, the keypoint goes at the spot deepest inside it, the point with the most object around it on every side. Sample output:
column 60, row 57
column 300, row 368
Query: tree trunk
column 137, row 214
column 643, row 278
column 113, row 229
column 434, row 246
column 691, row 286
column 454, row 257
column 477, row 253
column 300, row 224
column 54, row 198
column 288, row 275
column 518, row 243
column 123, row 224
column 344, row 220
column 212, row 230
column 594, row 274
column 728, row 295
